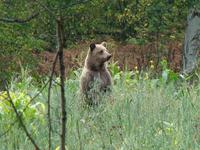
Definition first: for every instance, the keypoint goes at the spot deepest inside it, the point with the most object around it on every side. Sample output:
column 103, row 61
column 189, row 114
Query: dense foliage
column 132, row 20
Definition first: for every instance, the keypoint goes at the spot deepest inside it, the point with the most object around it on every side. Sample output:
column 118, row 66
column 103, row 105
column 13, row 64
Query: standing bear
column 95, row 78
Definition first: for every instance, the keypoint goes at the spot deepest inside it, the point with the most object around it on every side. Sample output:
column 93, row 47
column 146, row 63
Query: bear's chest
column 102, row 77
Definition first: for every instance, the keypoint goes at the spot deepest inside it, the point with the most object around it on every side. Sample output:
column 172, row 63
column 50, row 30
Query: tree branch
column 21, row 21
column 19, row 118
column 31, row 100
column 49, row 99
column 59, row 29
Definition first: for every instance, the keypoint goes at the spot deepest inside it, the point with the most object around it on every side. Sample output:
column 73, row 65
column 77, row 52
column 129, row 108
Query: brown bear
column 95, row 78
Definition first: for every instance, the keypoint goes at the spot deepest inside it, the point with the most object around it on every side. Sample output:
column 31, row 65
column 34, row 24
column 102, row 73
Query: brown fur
column 95, row 76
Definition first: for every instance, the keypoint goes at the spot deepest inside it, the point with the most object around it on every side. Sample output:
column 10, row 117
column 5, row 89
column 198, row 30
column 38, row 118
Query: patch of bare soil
column 128, row 56
column 46, row 60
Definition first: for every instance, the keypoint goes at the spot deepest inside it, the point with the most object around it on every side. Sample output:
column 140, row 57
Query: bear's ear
column 104, row 44
column 92, row 46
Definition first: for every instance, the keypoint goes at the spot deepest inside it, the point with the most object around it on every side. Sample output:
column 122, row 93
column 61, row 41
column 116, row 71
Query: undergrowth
column 141, row 113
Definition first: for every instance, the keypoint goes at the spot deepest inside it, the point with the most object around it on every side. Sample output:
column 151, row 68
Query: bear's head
column 97, row 56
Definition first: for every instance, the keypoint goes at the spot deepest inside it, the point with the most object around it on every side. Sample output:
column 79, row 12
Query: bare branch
column 21, row 21
column 60, row 33
column 49, row 99
column 36, row 95
column 31, row 100
column 19, row 118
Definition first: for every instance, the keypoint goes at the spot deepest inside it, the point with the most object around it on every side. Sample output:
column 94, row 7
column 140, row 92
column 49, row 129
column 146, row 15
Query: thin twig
column 19, row 118
column 56, row 82
column 17, row 20
column 31, row 100
column 49, row 99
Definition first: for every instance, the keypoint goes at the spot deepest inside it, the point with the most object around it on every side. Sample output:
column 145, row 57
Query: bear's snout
column 109, row 56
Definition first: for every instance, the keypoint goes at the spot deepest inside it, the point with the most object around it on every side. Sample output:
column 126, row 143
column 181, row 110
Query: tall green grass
column 140, row 113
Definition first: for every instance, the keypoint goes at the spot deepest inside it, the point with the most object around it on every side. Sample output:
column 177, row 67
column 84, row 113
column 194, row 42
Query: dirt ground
column 127, row 55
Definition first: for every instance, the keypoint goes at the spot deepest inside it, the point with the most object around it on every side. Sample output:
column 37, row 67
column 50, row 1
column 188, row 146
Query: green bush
column 21, row 102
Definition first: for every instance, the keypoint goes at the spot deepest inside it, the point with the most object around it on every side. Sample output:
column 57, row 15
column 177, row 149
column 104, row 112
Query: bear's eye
column 101, row 52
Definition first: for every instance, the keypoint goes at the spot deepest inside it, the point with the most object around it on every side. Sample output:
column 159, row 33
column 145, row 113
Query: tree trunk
column 192, row 42
column 62, row 80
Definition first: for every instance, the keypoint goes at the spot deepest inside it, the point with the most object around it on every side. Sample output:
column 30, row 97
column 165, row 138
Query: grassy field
column 141, row 113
